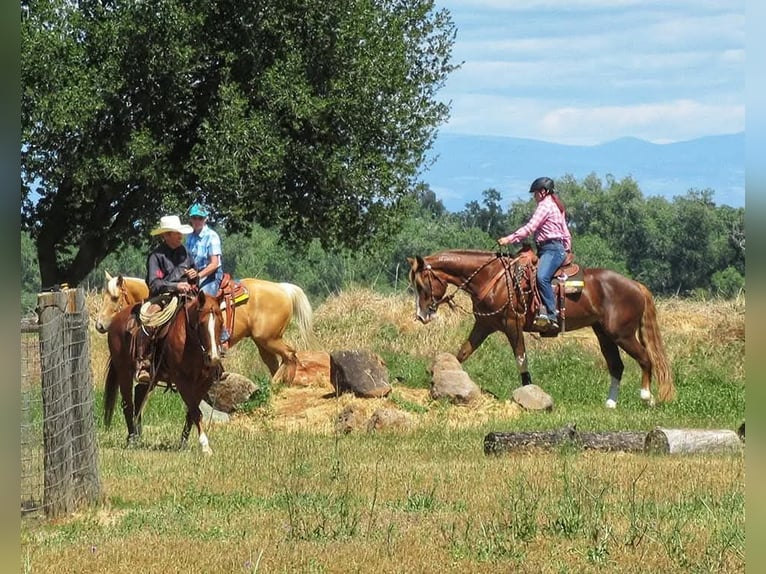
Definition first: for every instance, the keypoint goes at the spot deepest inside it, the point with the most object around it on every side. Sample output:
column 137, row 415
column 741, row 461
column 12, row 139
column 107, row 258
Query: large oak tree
column 310, row 116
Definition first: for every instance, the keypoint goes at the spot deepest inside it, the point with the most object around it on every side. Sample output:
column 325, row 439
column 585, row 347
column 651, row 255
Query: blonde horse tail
column 110, row 393
column 303, row 314
column 652, row 340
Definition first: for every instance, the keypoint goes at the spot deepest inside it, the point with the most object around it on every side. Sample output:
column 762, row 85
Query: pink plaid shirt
column 547, row 222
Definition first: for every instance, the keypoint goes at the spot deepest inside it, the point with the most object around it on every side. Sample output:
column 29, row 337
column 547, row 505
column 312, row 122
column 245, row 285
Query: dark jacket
column 165, row 269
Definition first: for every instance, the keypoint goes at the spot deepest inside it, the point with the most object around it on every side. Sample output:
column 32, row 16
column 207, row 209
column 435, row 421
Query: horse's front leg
column 194, row 417
column 480, row 331
column 128, row 412
column 514, row 332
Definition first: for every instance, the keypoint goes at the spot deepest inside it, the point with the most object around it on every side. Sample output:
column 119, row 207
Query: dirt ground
column 316, row 409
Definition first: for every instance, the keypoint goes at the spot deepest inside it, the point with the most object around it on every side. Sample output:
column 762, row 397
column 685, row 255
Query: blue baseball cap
column 198, row 210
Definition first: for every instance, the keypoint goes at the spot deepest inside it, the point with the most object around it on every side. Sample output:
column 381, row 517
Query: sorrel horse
column 187, row 358
column 620, row 311
column 264, row 317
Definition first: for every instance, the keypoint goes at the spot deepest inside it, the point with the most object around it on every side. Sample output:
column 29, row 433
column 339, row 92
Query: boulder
column 533, row 398
column 360, row 372
column 389, row 419
column 230, row 392
column 449, row 381
column 313, row 369
column 350, row 419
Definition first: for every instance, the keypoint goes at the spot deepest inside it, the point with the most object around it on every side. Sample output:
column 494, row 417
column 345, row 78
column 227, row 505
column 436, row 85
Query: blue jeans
column 551, row 256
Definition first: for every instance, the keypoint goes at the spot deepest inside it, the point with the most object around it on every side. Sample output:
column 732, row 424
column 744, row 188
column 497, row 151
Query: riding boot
column 143, row 370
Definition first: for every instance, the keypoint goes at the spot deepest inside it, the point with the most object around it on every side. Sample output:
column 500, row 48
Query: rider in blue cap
column 204, row 246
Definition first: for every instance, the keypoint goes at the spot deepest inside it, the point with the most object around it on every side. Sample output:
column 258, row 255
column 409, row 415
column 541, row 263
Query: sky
column 585, row 72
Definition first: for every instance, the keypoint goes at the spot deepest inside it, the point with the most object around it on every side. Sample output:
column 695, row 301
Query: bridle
column 428, row 272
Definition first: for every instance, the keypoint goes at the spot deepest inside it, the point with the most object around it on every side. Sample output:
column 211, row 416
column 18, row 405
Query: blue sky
column 584, row 72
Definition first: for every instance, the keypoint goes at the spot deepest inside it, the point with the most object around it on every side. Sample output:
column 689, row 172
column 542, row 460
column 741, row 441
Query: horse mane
column 452, row 254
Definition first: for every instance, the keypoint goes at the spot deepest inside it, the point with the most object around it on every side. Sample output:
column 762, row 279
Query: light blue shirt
column 201, row 247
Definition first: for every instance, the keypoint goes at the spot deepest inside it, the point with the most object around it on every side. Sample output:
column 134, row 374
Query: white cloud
column 583, row 71
column 659, row 123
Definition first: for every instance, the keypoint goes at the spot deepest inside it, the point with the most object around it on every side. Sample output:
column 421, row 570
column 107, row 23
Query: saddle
column 232, row 294
column 568, row 279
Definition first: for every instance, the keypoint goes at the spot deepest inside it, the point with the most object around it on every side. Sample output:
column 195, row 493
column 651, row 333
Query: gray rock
column 533, row 398
column 389, row 419
column 360, row 372
column 449, row 381
column 209, row 414
column 232, row 391
column 350, row 419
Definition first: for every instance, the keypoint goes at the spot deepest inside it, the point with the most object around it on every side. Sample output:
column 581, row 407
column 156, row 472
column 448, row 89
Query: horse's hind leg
column 271, row 352
column 633, row 347
column 614, row 363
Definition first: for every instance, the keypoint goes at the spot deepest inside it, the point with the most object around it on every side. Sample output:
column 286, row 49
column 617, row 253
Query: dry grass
column 284, row 493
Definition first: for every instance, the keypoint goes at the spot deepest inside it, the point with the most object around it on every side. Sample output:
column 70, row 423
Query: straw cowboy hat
column 171, row 223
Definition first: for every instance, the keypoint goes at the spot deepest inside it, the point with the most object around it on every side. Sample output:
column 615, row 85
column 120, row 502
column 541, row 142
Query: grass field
column 301, row 498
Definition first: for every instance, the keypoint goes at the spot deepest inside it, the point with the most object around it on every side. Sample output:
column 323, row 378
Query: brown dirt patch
column 316, row 409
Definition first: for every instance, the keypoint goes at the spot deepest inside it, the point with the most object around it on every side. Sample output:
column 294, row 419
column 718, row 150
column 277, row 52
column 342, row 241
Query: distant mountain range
column 468, row 165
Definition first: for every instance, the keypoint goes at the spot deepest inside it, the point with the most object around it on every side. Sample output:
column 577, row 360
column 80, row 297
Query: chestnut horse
column 620, row 311
column 264, row 317
column 187, row 359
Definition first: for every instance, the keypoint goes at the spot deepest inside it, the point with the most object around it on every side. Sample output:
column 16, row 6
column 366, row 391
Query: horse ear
column 108, row 277
column 120, row 280
column 416, row 263
column 201, row 297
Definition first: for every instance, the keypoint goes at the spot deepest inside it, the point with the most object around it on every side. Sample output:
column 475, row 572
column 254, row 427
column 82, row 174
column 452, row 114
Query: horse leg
column 476, row 337
column 194, row 417
column 611, row 353
column 515, row 335
column 270, row 350
column 140, row 395
column 633, row 347
column 126, row 393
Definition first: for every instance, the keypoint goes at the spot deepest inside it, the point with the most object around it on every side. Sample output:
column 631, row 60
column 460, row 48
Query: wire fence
column 59, row 456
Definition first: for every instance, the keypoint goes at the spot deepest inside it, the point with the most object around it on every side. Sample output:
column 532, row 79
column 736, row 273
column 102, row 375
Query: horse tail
column 649, row 334
column 303, row 314
column 110, row 393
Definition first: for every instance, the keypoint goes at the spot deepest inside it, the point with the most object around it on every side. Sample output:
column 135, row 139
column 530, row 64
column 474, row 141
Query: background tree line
column 687, row 246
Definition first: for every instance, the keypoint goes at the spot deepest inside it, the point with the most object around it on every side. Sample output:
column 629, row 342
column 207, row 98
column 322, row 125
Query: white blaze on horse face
column 214, row 356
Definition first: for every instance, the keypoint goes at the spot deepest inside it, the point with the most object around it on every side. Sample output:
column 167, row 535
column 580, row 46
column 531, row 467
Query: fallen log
column 675, row 441
column 498, row 442
column 626, row 441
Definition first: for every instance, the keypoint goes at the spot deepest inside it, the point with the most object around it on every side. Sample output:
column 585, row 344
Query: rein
column 449, row 299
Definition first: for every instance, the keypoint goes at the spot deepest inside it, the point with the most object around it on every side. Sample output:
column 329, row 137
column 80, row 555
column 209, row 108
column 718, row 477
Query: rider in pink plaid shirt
column 549, row 225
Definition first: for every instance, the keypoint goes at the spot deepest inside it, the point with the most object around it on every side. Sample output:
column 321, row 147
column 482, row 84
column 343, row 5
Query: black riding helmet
column 545, row 183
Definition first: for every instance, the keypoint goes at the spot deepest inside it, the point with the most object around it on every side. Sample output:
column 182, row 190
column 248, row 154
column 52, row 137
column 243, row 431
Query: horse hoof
column 610, row 404
column 207, row 451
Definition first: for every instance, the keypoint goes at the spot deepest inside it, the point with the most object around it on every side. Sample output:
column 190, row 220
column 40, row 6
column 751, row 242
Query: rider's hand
column 184, row 287
column 504, row 241
column 191, row 273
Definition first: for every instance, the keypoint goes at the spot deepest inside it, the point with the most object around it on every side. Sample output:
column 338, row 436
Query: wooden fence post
column 71, row 471
column 57, row 475
column 85, row 451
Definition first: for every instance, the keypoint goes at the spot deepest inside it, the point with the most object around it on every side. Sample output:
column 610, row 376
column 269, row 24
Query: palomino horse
column 264, row 317
column 620, row 311
column 187, row 358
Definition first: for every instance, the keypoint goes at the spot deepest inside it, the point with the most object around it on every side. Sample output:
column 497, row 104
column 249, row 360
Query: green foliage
column 312, row 118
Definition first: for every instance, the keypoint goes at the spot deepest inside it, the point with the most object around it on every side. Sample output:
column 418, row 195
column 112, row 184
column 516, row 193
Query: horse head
column 112, row 302
column 119, row 292
column 209, row 323
column 430, row 289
